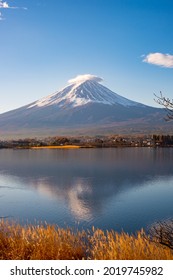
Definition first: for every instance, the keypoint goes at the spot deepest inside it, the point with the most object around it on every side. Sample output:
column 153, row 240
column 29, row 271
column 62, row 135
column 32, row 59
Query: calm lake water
column 116, row 189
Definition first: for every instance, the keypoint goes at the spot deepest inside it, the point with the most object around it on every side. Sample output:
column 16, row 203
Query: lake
column 111, row 188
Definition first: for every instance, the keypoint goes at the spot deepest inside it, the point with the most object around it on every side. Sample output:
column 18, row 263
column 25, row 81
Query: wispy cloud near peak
column 159, row 59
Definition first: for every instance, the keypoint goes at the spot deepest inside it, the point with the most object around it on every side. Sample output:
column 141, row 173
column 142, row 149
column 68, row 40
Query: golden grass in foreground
column 48, row 242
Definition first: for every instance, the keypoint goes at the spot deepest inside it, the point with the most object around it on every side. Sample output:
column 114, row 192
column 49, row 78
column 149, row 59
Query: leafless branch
column 162, row 232
column 167, row 103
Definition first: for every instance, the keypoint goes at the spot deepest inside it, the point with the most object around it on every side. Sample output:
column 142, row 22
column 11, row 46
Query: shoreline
column 58, row 147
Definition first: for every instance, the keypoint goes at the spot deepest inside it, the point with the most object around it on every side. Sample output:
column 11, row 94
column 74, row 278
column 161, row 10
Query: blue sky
column 44, row 43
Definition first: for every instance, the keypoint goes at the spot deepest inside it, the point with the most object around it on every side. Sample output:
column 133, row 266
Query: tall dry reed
column 48, row 242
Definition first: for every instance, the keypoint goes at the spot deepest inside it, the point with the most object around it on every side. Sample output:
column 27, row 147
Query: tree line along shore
column 90, row 142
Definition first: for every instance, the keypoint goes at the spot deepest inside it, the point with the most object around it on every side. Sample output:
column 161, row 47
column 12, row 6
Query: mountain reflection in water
column 109, row 188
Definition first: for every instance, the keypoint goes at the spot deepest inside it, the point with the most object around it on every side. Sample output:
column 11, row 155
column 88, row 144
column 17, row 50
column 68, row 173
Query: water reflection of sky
column 110, row 188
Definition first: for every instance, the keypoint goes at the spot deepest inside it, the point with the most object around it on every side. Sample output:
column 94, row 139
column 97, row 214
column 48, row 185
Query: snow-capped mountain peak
column 84, row 106
column 82, row 90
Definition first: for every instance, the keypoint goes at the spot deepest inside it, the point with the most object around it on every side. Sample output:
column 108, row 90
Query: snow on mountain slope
column 82, row 90
column 83, row 106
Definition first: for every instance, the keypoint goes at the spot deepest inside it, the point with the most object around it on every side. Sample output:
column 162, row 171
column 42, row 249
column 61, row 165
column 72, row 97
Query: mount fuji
column 83, row 105
column 83, row 90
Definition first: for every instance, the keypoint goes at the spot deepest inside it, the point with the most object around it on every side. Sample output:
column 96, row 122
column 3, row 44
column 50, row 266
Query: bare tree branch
column 166, row 103
column 162, row 232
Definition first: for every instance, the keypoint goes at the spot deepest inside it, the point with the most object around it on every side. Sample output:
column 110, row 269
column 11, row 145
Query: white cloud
column 86, row 77
column 5, row 5
column 1, row 18
column 160, row 59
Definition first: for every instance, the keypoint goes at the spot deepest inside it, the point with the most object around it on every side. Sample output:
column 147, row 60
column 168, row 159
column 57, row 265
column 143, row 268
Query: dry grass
column 48, row 242
column 58, row 147
column 114, row 246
